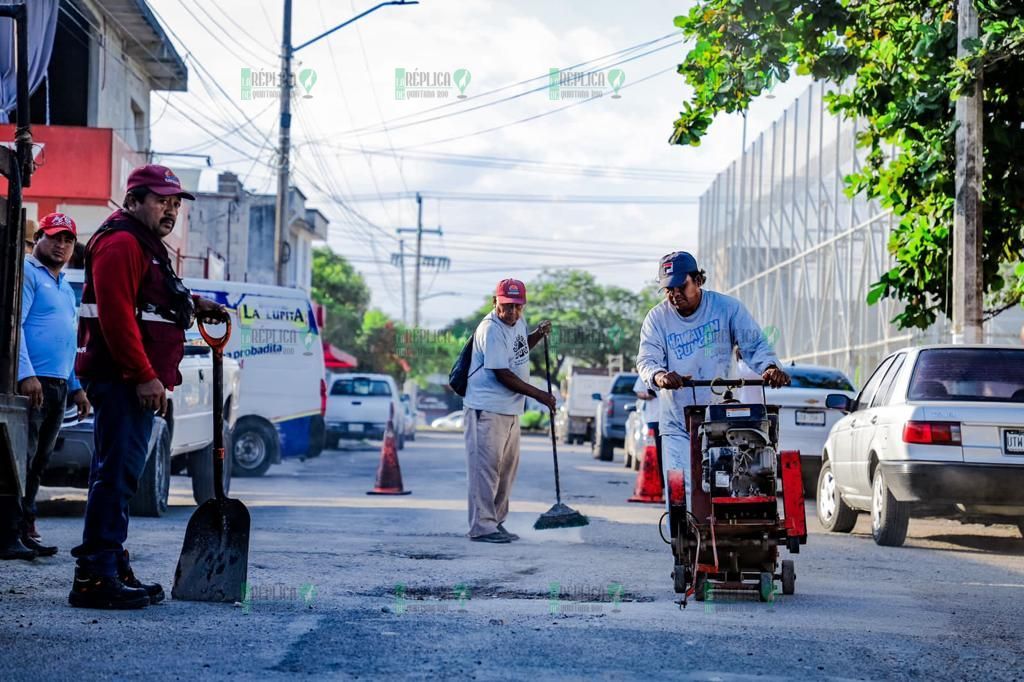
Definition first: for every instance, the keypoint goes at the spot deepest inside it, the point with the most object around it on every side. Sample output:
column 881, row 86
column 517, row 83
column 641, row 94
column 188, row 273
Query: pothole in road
column 565, row 593
column 418, row 556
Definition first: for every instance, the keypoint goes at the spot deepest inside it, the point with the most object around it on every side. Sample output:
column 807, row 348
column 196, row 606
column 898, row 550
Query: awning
column 335, row 358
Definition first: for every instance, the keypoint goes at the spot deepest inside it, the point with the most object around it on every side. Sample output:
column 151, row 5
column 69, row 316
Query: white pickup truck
column 360, row 406
column 574, row 421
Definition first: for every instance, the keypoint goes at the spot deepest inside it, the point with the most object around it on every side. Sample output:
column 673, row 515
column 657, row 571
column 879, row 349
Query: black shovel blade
column 214, row 560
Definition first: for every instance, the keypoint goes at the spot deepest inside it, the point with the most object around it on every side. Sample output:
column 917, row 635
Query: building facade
column 232, row 236
column 778, row 231
column 91, row 114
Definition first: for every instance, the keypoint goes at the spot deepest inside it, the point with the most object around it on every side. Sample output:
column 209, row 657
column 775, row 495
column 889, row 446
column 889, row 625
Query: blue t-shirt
column 49, row 326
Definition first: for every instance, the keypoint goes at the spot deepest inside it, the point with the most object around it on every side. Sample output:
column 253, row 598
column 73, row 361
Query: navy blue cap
column 674, row 267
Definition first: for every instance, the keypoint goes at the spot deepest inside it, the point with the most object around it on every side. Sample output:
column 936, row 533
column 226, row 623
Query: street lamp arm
column 358, row 16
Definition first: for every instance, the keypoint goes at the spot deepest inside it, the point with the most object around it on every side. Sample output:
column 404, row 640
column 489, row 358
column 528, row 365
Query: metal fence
column 778, row 231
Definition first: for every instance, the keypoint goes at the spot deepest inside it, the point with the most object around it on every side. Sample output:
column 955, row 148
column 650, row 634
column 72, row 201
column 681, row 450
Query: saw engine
column 738, row 457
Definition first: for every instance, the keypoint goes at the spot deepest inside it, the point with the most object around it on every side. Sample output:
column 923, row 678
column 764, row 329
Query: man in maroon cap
column 499, row 381
column 45, row 375
column 131, row 335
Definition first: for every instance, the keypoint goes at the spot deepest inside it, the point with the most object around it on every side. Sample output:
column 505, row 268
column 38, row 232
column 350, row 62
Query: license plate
column 355, row 428
column 809, row 418
column 1013, row 442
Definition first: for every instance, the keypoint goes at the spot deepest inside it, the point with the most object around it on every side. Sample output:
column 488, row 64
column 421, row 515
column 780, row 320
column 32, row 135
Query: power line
column 510, row 97
column 530, row 198
column 534, row 117
column 515, row 85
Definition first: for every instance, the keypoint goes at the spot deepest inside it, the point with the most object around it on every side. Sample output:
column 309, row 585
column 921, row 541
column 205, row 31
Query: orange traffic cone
column 389, row 475
column 648, row 480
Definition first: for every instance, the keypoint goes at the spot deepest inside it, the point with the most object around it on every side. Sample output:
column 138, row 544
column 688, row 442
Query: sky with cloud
column 487, row 164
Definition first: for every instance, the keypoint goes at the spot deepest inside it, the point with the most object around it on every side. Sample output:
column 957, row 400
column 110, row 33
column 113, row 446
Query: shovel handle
column 217, row 343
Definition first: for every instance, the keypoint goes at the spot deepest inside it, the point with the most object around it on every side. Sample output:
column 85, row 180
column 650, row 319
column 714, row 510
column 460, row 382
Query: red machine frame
column 731, row 543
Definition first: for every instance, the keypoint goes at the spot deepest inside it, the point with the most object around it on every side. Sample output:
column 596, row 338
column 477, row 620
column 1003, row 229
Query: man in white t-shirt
column 499, row 381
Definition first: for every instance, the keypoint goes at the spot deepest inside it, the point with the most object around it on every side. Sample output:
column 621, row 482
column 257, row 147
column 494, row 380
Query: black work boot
column 30, row 538
column 127, row 576
column 103, row 592
column 13, row 549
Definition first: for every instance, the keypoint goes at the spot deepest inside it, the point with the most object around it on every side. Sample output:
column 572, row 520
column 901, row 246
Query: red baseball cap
column 55, row 223
column 510, row 291
column 158, row 180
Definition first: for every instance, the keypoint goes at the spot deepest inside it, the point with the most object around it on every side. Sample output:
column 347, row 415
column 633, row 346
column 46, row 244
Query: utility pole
column 419, row 254
column 284, row 143
column 968, row 303
column 436, row 261
column 401, row 264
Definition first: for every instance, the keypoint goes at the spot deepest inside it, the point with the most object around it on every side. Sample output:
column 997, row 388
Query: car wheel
column 628, row 460
column 155, row 484
column 200, row 468
column 603, row 449
column 834, row 514
column 253, row 445
column 400, row 441
column 889, row 516
column 411, row 436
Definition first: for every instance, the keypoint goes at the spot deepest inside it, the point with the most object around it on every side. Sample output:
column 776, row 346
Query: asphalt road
column 352, row 586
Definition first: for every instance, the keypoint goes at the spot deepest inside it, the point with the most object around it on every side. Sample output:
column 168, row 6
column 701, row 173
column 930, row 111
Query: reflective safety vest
column 160, row 295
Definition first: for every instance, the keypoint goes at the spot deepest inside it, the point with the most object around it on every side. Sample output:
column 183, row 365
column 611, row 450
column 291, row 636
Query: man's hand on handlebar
column 775, row 377
column 671, row 380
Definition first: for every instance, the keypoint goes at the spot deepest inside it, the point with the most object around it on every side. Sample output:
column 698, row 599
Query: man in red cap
column 131, row 336
column 45, row 374
column 495, row 398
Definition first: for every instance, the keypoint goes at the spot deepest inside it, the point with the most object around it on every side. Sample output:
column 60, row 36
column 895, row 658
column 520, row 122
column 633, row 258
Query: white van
column 276, row 341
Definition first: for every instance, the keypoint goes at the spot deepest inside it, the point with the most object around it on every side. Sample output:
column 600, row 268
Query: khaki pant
column 492, row 459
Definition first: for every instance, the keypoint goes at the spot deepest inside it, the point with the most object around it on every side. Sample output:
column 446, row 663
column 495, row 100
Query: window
column 810, row 377
column 360, row 386
column 868, row 392
column 624, row 385
column 969, row 374
column 885, row 389
column 68, row 72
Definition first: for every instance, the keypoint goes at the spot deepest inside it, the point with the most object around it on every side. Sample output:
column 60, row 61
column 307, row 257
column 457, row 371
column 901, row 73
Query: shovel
column 214, row 558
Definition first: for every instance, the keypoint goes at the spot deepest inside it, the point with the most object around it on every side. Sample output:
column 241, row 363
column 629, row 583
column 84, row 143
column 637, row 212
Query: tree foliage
column 589, row 321
column 894, row 66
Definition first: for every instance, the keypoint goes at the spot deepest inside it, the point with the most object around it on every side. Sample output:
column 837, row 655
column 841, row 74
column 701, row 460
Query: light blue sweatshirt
column 701, row 346
column 49, row 326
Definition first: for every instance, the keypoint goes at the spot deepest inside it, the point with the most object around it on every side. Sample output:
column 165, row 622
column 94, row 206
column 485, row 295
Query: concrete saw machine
column 729, row 541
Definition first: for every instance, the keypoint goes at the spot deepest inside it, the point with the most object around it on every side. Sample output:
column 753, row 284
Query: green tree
column 897, row 62
column 344, row 294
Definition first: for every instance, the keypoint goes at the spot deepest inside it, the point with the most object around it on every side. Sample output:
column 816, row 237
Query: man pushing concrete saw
column 690, row 335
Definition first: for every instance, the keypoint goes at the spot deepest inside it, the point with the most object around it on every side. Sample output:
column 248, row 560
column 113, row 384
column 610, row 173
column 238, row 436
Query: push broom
column 560, row 515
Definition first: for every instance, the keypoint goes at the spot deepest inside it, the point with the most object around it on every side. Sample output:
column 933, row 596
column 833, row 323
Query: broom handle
column 554, row 446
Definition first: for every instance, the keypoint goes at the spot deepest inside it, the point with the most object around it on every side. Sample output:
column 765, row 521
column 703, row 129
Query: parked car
column 937, row 430
column 636, row 434
column 182, row 440
column 410, row 418
column 804, row 421
column 361, row 405
column 276, row 341
column 452, row 420
column 574, row 420
column 610, row 417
